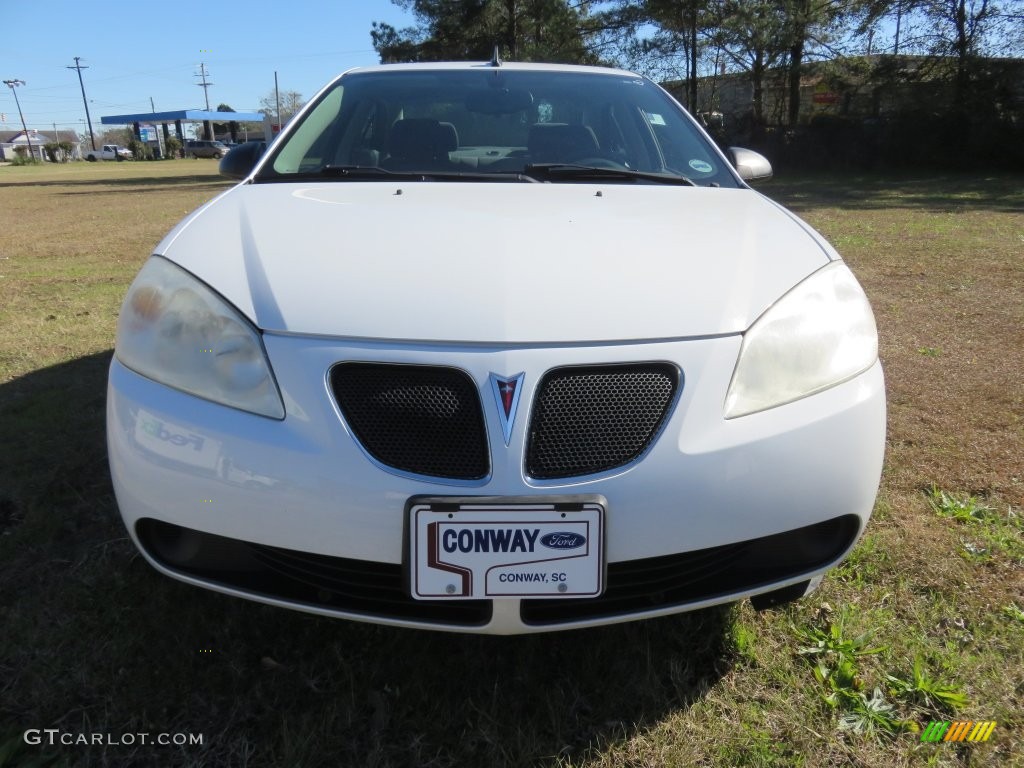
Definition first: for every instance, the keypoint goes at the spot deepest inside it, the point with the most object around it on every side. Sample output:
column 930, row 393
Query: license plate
column 473, row 551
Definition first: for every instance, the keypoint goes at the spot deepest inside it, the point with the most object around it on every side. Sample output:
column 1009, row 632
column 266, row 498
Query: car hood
column 496, row 262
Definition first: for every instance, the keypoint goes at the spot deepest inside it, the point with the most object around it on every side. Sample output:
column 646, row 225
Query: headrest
column 560, row 143
column 420, row 138
column 448, row 137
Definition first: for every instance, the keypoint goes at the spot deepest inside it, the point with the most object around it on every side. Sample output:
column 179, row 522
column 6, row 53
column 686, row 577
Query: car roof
column 505, row 65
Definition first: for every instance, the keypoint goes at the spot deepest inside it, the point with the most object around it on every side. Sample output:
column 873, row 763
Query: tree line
column 763, row 41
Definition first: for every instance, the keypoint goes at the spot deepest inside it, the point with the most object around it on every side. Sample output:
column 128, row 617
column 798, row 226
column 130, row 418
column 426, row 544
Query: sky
column 141, row 50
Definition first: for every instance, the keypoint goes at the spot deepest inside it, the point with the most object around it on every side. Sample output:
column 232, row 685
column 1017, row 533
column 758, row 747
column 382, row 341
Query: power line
column 78, row 67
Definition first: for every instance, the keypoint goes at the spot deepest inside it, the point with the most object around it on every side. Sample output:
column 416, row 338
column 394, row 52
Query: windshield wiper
column 572, row 172
column 366, row 172
column 340, row 172
column 376, row 173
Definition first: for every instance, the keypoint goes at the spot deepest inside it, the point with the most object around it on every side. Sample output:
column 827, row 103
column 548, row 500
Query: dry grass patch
column 941, row 261
column 73, row 235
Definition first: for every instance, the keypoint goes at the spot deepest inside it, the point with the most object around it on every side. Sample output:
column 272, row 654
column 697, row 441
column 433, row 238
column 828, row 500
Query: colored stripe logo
column 958, row 730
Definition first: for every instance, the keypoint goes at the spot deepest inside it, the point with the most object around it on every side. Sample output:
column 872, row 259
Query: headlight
column 819, row 334
column 175, row 330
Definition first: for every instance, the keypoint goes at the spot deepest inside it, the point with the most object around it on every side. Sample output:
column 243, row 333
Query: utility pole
column 78, row 66
column 204, row 85
column 159, row 133
column 277, row 98
column 12, row 84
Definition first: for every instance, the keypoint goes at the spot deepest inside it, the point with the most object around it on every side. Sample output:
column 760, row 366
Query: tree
column 230, row 127
column 140, row 149
column 291, row 103
column 58, row 151
column 962, row 28
column 752, row 33
column 677, row 39
column 687, row 21
column 119, row 136
column 663, row 39
column 809, row 23
column 466, row 30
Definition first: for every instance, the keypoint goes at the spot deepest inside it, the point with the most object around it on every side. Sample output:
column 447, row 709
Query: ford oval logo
column 563, row 540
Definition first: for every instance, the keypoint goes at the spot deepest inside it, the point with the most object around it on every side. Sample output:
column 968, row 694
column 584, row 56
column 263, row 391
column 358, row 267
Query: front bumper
column 304, row 495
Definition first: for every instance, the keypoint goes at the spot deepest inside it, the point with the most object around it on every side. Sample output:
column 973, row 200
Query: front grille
column 332, row 583
column 591, row 419
column 638, row 586
column 417, row 418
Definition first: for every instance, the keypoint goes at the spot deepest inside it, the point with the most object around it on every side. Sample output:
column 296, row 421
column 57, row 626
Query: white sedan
column 495, row 348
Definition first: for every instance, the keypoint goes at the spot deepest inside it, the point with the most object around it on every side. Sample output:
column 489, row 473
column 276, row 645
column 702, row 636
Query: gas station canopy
column 197, row 115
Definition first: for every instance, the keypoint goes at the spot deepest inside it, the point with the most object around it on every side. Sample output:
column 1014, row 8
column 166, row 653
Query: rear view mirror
column 499, row 101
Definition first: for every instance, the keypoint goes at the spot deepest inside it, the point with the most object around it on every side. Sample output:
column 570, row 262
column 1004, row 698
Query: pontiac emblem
column 506, row 394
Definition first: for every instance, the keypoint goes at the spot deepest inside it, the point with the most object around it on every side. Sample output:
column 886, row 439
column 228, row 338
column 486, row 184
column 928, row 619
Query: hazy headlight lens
column 819, row 334
column 175, row 330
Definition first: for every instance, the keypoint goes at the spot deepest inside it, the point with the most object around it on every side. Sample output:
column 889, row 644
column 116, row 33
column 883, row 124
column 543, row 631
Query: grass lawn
column 925, row 621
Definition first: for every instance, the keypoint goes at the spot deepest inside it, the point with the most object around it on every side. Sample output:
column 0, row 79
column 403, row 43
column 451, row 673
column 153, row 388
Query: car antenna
column 496, row 58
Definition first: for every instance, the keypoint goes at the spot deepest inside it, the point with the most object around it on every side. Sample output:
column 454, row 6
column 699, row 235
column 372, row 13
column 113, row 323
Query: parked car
column 202, row 148
column 108, row 152
column 511, row 348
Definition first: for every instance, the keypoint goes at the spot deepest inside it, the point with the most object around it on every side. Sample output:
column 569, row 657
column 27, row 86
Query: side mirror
column 239, row 162
column 750, row 165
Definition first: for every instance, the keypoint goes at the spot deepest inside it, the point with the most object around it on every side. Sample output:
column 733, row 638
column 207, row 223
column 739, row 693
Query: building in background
column 11, row 139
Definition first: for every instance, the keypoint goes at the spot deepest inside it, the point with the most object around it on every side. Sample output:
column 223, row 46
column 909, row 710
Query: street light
column 12, row 84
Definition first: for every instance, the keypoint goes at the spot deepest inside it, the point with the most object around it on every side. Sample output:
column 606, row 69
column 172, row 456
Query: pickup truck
column 108, row 152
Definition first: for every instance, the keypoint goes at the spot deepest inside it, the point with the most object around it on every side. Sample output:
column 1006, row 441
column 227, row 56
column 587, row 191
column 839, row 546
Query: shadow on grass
column 168, row 185
column 951, row 193
column 95, row 641
column 123, row 181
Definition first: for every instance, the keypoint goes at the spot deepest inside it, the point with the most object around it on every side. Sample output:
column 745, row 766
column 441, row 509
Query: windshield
column 489, row 123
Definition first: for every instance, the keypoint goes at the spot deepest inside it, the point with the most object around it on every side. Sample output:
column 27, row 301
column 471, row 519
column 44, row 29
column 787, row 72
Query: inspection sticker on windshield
column 474, row 551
